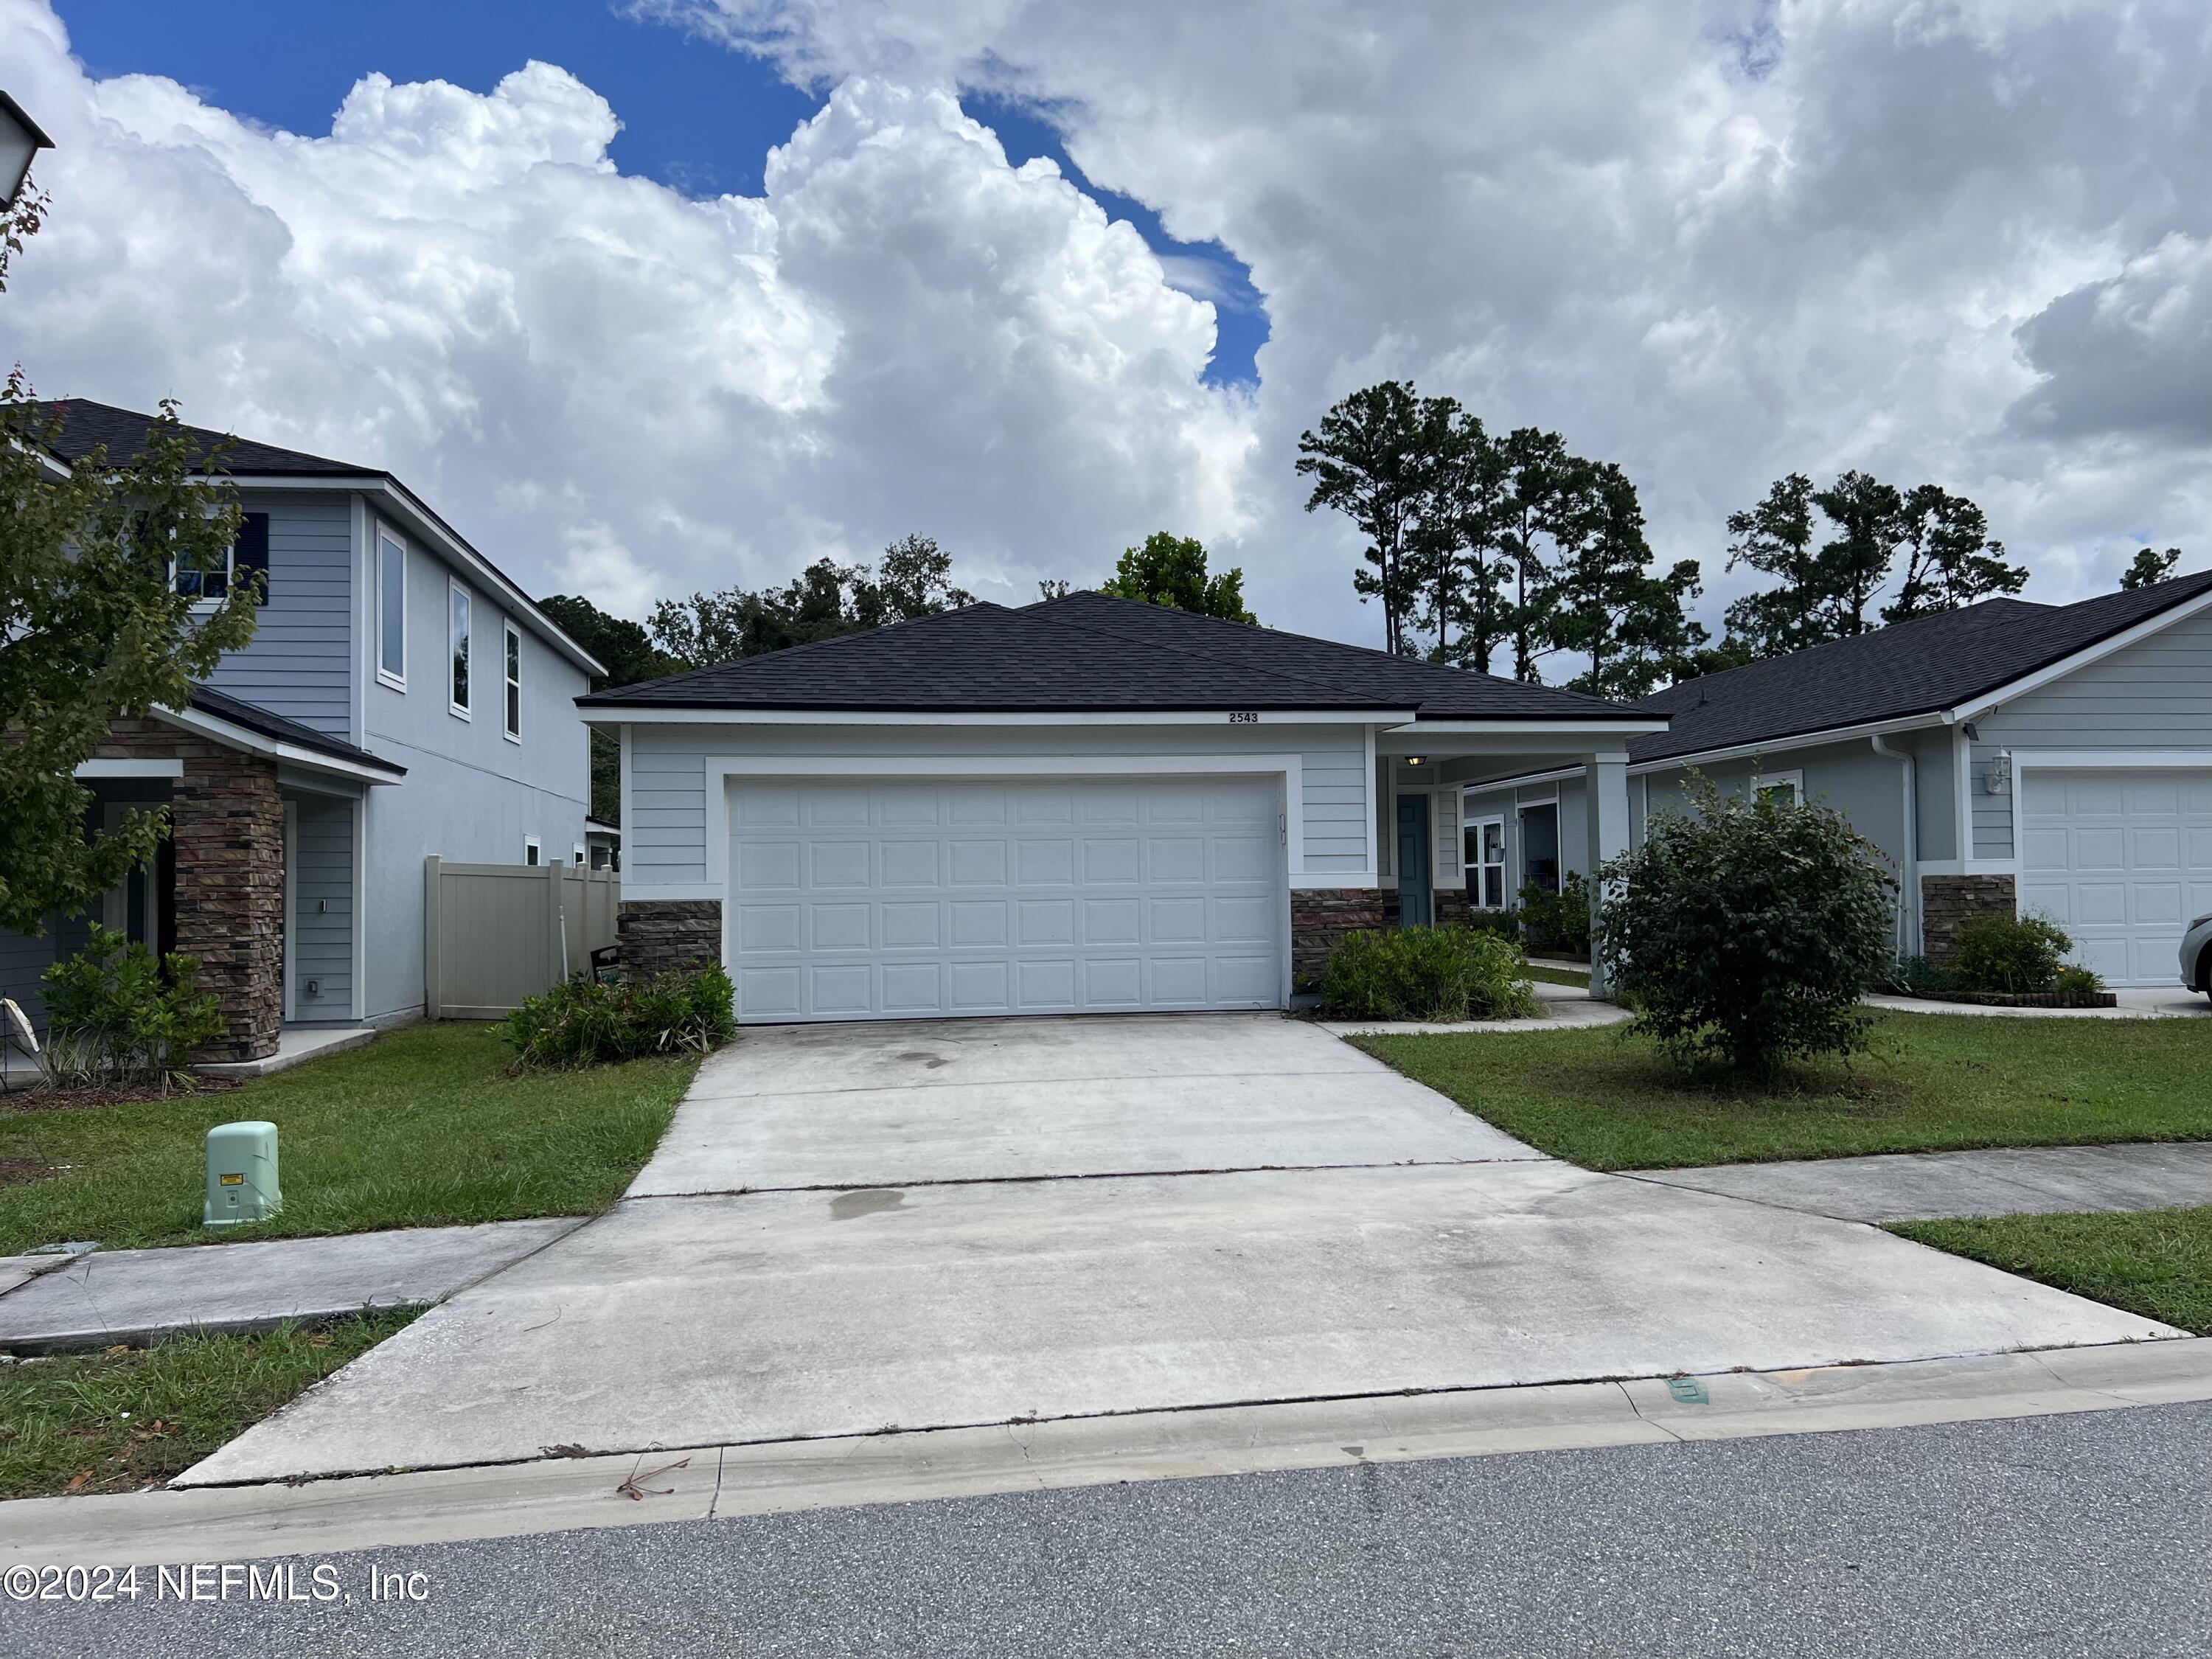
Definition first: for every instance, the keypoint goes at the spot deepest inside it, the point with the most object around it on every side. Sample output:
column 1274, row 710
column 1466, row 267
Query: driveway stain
column 869, row 1201
column 931, row 1060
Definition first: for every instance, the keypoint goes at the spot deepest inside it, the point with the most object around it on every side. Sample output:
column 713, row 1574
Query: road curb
column 564, row 1494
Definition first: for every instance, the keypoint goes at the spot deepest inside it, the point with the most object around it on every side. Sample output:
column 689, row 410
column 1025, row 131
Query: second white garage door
column 2122, row 861
column 908, row 900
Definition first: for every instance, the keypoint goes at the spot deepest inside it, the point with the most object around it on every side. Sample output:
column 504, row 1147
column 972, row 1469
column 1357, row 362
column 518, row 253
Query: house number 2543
column 1244, row 717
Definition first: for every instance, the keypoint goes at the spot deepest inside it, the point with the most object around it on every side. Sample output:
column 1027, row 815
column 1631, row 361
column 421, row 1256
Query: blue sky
column 695, row 116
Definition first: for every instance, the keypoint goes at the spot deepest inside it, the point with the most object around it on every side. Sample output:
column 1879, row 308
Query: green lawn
column 2155, row 1262
column 422, row 1127
column 1538, row 971
column 127, row 1417
column 1606, row 1100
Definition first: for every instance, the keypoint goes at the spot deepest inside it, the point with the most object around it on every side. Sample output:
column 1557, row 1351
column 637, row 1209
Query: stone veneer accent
column 1947, row 903
column 1452, row 909
column 1321, row 915
column 657, row 934
column 227, row 828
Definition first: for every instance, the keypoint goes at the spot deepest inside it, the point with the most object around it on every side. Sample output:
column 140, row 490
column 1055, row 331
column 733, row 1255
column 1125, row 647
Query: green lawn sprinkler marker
column 1688, row 1390
column 241, row 1173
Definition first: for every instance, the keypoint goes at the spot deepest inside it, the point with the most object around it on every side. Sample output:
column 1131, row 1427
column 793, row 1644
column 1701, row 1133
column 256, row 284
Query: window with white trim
column 390, row 609
column 1484, row 841
column 459, row 610
column 579, row 860
column 530, row 854
column 514, row 659
column 1788, row 788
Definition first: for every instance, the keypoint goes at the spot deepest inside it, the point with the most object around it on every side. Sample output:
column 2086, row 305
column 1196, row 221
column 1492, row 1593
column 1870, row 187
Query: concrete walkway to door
column 852, row 1229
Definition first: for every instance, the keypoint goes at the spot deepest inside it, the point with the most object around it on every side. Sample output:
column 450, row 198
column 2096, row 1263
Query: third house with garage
column 2007, row 756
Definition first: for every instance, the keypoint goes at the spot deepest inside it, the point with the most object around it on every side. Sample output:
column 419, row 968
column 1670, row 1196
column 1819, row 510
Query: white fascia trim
column 2082, row 659
column 359, row 919
column 1374, row 809
column 1802, row 740
column 252, row 742
column 131, row 768
column 652, row 716
column 1615, row 729
column 403, row 503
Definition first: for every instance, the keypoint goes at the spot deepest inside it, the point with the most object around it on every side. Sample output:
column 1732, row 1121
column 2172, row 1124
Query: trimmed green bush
column 583, row 1022
column 1427, row 973
column 1506, row 924
column 1997, row 952
column 1744, row 932
column 1558, row 923
column 116, row 1015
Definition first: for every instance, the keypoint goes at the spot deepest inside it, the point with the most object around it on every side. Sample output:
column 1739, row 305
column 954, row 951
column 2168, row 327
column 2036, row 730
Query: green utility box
column 241, row 1173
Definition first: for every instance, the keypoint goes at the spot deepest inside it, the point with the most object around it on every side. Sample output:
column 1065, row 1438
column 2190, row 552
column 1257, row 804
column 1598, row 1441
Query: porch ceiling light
column 1415, row 760
column 20, row 140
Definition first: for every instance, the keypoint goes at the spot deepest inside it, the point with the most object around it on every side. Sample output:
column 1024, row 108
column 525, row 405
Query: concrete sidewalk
column 1926, row 1186
column 54, row 1304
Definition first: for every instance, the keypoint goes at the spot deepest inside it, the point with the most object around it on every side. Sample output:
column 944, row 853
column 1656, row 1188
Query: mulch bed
column 37, row 1098
column 2028, row 998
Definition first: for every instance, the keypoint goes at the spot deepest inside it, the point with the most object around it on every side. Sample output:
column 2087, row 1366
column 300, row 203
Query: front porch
column 1431, row 866
column 258, row 878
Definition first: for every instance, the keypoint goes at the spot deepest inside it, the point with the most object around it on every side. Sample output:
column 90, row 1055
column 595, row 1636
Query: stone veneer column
column 1947, row 903
column 227, row 826
column 1321, row 915
column 658, row 934
column 1452, row 908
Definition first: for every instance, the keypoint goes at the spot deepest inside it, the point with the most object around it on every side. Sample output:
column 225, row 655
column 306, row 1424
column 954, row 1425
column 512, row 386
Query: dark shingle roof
column 283, row 729
column 1909, row 668
column 86, row 426
column 1087, row 652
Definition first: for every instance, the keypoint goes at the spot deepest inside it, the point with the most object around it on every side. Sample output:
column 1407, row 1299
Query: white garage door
column 907, row 900
column 2121, row 859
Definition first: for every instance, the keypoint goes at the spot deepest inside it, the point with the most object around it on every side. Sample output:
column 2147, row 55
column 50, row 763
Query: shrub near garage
column 1744, row 933
column 1427, row 973
column 583, row 1022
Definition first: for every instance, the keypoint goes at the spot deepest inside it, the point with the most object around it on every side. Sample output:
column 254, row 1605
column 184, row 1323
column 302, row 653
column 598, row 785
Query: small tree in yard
column 94, row 627
column 1744, row 933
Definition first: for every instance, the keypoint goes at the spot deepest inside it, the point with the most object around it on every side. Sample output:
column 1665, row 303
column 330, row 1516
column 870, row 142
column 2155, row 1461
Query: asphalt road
column 2082, row 1535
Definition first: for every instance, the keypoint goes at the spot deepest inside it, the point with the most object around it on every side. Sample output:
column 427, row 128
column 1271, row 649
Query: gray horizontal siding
column 2155, row 694
column 300, row 664
column 322, row 909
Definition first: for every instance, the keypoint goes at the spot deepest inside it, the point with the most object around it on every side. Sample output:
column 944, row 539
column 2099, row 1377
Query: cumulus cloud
column 1715, row 241
column 607, row 384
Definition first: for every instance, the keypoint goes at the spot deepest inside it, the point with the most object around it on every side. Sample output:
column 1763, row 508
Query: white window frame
column 579, row 861
column 459, row 710
column 204, row 602
column 390, row 545
column 510, row 672
column 532, row 854
column 1474, row 827
column 1793, row 780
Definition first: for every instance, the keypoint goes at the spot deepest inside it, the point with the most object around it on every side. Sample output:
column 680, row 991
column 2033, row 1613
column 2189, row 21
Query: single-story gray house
column 2007, row 755
column 1080, row 805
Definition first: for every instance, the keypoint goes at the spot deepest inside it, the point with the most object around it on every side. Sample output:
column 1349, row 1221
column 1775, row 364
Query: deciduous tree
column 1170, row 570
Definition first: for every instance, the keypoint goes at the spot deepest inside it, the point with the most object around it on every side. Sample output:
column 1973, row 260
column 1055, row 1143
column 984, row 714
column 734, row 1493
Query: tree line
column 1501, row 551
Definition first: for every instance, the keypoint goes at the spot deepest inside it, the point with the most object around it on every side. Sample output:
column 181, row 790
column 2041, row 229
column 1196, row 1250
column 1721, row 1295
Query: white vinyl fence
column 495, row 933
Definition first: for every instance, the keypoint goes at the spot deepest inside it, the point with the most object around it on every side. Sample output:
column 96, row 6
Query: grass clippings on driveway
column 422, row 1127
column 130, row 1417
column 1605, row 1099
column 2157, row 1263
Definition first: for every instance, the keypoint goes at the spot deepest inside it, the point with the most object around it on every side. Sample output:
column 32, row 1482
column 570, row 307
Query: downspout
column 1910, row 897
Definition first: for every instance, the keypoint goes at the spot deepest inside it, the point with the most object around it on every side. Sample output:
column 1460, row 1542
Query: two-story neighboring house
column 401, row 697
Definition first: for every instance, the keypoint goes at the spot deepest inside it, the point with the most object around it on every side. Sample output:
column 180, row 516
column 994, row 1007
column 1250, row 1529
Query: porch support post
column 1604, row 789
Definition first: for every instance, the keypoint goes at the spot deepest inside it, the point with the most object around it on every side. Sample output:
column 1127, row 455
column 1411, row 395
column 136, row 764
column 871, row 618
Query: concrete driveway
column 857, row 1228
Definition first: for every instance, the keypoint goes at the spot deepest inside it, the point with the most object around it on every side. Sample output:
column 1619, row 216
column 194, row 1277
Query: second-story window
column 513, row 681
column 392, row 610
column 460, row 643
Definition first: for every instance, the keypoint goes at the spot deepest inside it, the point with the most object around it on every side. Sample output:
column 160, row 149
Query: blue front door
column 1414, row 862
